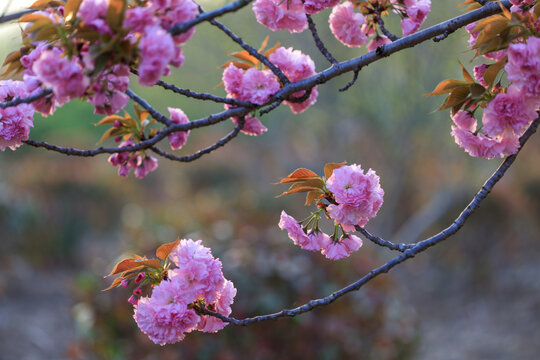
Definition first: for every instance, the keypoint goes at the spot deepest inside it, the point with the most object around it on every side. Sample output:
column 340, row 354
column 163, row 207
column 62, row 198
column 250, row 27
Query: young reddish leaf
column 115, row 283
column 447, row 86
column 298, row 189
column 124, row 265
column 492, row 71
column 43, row 4
column 272, row 50
column 466, row 74
column 164, row 250
column 115, row 13
column 238, row 64
column 330, row 167
column 312, row 196
column 245, row 56
column 71, row 9
column 476, row 90
column 109, row 120
column 12, row 56
column 458, row 95
column 264, row 43
column 48, row 32
column 301, row 173
column 153, row 263
column 114, row 132
column 536, row 11
column 505, row 11
column 39, row 24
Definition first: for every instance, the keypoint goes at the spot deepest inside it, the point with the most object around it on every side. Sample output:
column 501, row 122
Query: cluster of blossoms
column 142, row 164
column 257, row 86
column 350, row 27
column 169, row 313
column 351, row 199
column 510, row 111
column 15, row 121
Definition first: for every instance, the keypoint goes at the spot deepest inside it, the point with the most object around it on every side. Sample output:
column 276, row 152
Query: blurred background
column 65, row 221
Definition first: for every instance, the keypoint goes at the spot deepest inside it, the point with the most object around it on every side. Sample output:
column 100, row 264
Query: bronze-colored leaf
column 109, row 120
column 492, row 71
column 238, row 64
column 312, row 196
column 153, row 263
column 466, row 74
column 124, row 265
column 164, row 250
column 12, row 56
column 298, row 189
column 330, row 167
column 115, row 283
column 264, row 43
column 477, row 91
column 115, row 14
column 268, row 52
column 301, row 173
column 245, row 56
column 43, row 4
column 458, row 95
column 71, row 9
column 447, row 86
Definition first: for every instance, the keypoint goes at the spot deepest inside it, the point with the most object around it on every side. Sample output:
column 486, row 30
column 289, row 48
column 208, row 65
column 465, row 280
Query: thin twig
column 383, row 28
column 271, row 107
column 153, row 112
column 381, row 242
column 206, row 16
column 350, row 83
column 27, row 100
column 407, row 254
column 252, row 51
column 318, row 41
column 188, row 158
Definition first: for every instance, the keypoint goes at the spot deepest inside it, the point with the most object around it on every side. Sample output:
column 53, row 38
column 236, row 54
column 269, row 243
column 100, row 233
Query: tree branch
column 27, row 100
column 153, row 112
column 318, row 41
column 407, row 254
column 200, row 153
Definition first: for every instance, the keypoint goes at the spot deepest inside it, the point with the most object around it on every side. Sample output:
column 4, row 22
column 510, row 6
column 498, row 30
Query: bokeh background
column 65, row 221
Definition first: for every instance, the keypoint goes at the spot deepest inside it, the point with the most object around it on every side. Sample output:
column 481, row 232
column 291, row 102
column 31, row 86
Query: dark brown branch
column 198, row 154
column 407, row 254
column 153, row 112
column 207, row 16
column 318, row 41
column 14, row 16
column 27, row 100
column 350, row 83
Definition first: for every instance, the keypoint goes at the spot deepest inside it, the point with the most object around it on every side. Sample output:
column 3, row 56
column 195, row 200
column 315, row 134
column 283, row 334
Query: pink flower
column 297, row 234
column 352, row 242
column 278, row 15
column 157, row 50
column 138, row 18
column 352, row 187
column 145, row 166
column 198, row 268
column 109, row 90
column 346, row 25
column 15, row 121
column 336, row 251
column 258, row 86
column 222, row 305
column 252, row 125
column 93, row 13
column 315, row 6
column 65, row 77
column 296, row 66
column 479, row 71
column 465, row 120
column 232, row 79
column 378, row 41
column 181, row 12
column 178, row 139
column 482, row 146
column 125, row 283
column 417, row 12
column 523, row 67
column 510, row 111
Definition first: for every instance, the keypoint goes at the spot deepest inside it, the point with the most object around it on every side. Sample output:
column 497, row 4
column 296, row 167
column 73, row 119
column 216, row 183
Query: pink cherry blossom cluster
column 15, row 121
column 351, row 199
column 168, row 314
column 358, row 196
column 257, row 86
column 178, row 139
column 510, row 111
column 315, row 240
column 351, row 28
column 142, row 164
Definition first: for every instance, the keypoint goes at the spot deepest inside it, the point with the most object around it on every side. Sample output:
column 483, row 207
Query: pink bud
column 125, row 283
column 132, row 299
column 137, row 292
column 140, row 277
column 117, row 124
